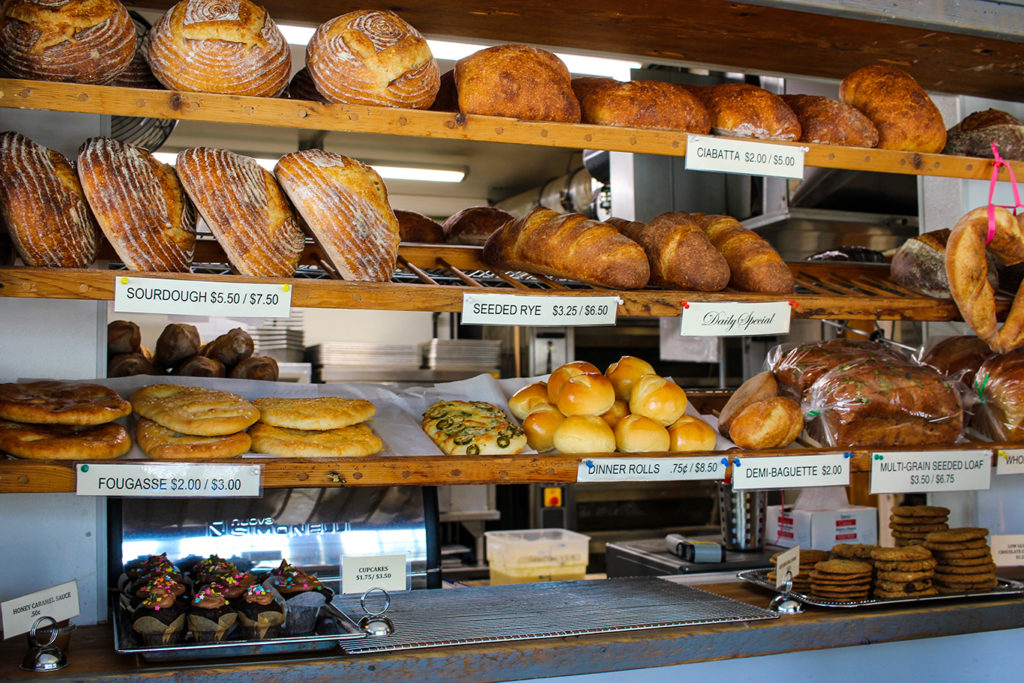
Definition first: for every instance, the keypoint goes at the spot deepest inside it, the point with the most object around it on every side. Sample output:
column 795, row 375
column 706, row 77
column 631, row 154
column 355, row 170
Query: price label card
column 1007, row 549
column 59, row 602
column 190, row 297
column 360, row 573
column 651, row 469
column 168, row 480
column 734, row 318
column 791, row 471
column 1010, row 461
column 787, row 566
column 727, row 155
column 931, row 471
column 538, row 311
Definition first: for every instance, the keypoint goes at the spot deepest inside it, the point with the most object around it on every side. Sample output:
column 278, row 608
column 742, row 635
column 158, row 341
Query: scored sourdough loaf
column 753, row 264
column 83, row 41
column 569, row 246
column 233, row 48
column 906, row 118
column 345, row 205
column 373, row 57
column 747, row 111
column 64, row 442
column 139, row 204
column 679, row 253
column 42, row 203
column 825, row 121
column 245, row 209
column 975, row 134
column 138, row 74
column 644, row 104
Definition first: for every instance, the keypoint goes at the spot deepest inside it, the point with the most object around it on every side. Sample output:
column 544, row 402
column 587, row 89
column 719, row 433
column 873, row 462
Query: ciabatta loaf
column 747, row 111
column 680, row 254
column 245, row 209
column 222, row 47
column 83, row 41
column 830, row 122
column 373, row 57
column 570, row 246
column 42, row 203
column 345, row 205
column 139, row 205
column 645, row 104
column 906, row 118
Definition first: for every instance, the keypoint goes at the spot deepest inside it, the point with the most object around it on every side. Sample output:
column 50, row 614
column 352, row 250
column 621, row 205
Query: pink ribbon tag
column 999, row 161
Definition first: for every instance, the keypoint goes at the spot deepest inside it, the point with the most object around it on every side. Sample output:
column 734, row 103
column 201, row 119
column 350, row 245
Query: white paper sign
column 1007, row 549
column 787, row 566
column 193, row 297
column 791, row 471
column 168, row 480
column 931, row 471
column 734, row 318
column 1010, row 461
column 651, row 469
column 538, row 311
column 360, row 573
column 59, row 602
column 727, row 155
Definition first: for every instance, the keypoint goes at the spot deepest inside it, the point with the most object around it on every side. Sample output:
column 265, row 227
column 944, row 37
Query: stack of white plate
column 280, row 338
column 365, row 355
column 462, row 354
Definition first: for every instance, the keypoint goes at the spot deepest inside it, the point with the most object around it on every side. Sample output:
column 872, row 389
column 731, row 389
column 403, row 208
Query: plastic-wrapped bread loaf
column 43, row 205
column 245, row 209
column 233, row 48
column 570, row 246
column 345, row 205
column 906, row 118
column 679, row 253
column 139, row 204
column 754, row 264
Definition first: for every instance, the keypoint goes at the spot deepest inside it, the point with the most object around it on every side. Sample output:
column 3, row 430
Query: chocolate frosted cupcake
column 234, row 585
column 260, row 613
column 163, row 583
column 211, row 569
column 303, row 594
column 210, row 617
column 159, row 619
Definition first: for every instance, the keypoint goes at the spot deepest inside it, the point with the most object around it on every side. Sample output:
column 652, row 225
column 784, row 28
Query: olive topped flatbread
column 472, row 428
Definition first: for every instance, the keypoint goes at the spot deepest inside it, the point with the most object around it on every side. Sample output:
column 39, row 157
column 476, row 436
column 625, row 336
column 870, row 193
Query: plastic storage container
column 536, row 555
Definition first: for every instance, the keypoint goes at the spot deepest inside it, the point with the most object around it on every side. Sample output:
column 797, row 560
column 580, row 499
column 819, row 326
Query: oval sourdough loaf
column 906, row 118
column 825, row 121
column 754, row 264
column 645, row 104
column 747, row 111
column 679, row 253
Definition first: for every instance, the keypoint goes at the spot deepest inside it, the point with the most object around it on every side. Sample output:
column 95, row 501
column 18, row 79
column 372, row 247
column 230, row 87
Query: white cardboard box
column 821, row 529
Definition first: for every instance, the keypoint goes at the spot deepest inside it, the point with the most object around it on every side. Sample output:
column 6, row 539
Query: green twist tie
column 981, row 387
column 813, row 414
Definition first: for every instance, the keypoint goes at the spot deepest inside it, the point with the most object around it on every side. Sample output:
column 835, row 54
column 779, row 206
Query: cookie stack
column 963, row 560
column 808, row 558
column 325, row 427
column 62, row 421
column 854, row 551
column 903, row 572
column 841, row 580
column 190, row 423
column 911, row 523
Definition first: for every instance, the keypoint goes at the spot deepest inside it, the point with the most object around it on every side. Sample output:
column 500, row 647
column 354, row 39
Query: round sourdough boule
column 194, row 410
column 415, row 227
column 346, row 442
column 64, row 442
column 161, row 443
column 326, row 412
column 67, row 403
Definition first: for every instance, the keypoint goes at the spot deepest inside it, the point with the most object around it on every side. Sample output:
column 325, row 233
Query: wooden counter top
column 92, row 658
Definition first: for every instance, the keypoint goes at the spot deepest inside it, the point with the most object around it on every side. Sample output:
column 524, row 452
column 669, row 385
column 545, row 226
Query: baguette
column 569, row 246
column 755, row 265
column 680, row 255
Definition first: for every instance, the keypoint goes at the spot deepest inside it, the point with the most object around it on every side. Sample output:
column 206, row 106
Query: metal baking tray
column 759, row 577
column 332, row 627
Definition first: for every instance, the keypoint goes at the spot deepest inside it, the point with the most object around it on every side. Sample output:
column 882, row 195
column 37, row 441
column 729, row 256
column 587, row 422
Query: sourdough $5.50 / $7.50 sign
column 201, row 297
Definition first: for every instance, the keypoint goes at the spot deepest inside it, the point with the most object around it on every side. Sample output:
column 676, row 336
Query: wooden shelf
column 95, row 99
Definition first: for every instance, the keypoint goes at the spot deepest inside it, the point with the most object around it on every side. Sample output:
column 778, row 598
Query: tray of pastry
column 1003, row 588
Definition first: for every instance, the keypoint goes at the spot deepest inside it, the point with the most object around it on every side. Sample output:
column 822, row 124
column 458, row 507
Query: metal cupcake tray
column 332, row 627
column 759, row 577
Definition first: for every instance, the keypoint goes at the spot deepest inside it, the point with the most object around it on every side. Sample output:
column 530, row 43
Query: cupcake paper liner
column 153, row 632
column 209, row 631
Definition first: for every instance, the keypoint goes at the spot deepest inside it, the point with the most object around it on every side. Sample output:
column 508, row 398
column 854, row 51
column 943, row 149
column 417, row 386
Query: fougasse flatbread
column 161, row 443
column 194, row 410
column 66, row 403
column 472, row 428
column 326, row 412
column 346, row 442
column 64, row 442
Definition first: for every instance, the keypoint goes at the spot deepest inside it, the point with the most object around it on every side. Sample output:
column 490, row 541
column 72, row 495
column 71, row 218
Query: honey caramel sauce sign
column 730, row 155
column 57, row 602
column 1010, row 461
column 927, row 471
column 168, row 480
column 734, row 318
column 539, row 311
column 791, row 471
column 693, row 468
column 201, row 297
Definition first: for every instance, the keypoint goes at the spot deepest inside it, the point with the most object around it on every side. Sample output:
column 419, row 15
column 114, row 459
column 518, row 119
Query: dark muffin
column 159, row 619
column 260, row 615
column 210, row 616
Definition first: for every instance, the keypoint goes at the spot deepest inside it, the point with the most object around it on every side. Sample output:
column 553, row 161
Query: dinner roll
column 540, row 426
column 586, row 395
column 639, row 434
column 619, row 410
column 523, row 401
column 625, row 372
column 689, row 433
column 584, row 434
column 657, row 398
column 564, row 372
